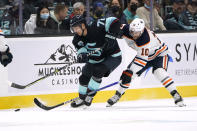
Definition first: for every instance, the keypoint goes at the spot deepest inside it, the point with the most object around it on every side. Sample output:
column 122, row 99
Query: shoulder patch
column 80, row 43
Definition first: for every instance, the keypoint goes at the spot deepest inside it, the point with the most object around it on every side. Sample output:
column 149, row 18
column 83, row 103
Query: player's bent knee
column 100, row 71
column 84, row 80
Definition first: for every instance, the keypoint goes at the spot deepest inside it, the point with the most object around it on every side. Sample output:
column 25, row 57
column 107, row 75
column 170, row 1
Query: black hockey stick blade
column 42, row 106
column 17, row 86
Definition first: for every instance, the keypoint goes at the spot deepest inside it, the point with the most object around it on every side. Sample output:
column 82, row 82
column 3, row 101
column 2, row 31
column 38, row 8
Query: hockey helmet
column 112, row 25
column 137, row 25
column 76, row 20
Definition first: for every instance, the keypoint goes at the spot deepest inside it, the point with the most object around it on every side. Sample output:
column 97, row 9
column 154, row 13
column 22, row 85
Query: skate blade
column 180, row 104
column 84, row 107
column 108, row 105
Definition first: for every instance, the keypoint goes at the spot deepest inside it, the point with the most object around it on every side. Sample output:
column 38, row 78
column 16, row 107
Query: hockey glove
column 82, row 58
column 126, row 78
column 6, row 57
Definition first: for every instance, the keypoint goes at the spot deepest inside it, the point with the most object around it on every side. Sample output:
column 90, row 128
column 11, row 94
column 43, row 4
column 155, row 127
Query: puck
column 17, row 110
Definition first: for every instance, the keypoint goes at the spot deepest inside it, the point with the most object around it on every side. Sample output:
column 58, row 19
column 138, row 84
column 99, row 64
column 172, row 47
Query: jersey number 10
column 145, row 52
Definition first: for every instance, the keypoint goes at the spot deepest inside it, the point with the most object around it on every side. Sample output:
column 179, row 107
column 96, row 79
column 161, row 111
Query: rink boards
column 36, row 57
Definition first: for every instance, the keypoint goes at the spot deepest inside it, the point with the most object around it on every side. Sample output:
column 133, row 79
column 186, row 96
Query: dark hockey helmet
column 77, row 20
column 112, row 26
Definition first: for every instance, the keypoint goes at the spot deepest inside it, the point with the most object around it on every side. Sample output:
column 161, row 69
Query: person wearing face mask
column 189, row 17
column 97, row 12
column 116, row 10
column 173, row 20
column 144, row 13
column 37, row 22
column 130, row 11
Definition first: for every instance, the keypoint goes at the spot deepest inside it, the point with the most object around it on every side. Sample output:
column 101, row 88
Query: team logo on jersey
column 80, row 43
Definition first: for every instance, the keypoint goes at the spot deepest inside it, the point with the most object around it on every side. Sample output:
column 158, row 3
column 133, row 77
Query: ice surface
column 143, row 115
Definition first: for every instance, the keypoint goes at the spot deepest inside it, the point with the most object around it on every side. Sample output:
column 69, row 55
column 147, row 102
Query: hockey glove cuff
column 126, row 78
column 6, row 57
column 82, row 58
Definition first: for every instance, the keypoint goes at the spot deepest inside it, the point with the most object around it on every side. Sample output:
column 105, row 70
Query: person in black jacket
column 42, row 18
column 57, row 23
column 172, row 20
column 189, row 17
column 116, row 10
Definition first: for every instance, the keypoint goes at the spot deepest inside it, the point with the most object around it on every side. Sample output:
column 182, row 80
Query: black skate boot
column 89, row 98
column 79, row 102
column 114, row 99
column 178, row 100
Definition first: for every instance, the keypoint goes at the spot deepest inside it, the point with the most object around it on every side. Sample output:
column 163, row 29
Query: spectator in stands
column 14, row 13
column 78, row 9
column 173, row 20
column 14, row 10
column 157, row 6
column 56, row 23
column 130, row 11
column 97, row 12
column 116, row 10
column 7, row 22
column 106, row 6
column 3, row 3
column 37, row 22
column 189, row 17
column 28, row 9
column 144, row 13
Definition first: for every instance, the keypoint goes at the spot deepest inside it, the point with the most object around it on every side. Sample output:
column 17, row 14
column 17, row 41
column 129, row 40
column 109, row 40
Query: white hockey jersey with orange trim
column 3, row 46
column 148, row 47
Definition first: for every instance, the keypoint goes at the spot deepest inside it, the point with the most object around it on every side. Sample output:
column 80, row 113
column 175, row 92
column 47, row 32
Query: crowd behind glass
column 53, row 16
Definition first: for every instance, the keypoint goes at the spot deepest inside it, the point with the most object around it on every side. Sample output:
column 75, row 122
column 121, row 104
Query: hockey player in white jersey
column 151, row 52
column 5, row 55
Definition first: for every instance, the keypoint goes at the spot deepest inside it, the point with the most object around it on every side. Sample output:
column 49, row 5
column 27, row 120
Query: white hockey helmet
column 137, row 25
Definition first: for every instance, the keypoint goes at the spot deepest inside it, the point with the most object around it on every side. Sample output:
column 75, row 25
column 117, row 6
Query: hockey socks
column 168, row 83
column 93, row 85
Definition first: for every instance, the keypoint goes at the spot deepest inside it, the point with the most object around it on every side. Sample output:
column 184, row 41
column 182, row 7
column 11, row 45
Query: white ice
column 142, row 115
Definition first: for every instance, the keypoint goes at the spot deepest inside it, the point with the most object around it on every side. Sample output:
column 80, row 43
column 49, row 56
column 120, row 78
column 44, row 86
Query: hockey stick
column 44, row 107
column 14, row 85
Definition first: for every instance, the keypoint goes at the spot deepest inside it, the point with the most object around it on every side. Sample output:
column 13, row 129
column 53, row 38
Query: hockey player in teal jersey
column 99, row 35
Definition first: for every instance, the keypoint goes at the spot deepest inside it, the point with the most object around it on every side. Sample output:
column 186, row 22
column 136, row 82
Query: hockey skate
column 77, row 103
column 114, row 99
column 85, row 103
column 178, row 100
column 88, row 100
